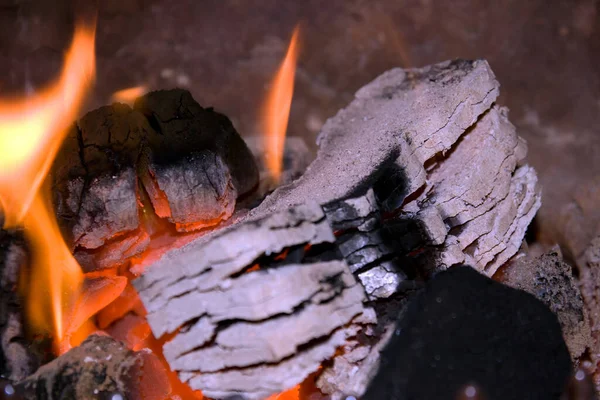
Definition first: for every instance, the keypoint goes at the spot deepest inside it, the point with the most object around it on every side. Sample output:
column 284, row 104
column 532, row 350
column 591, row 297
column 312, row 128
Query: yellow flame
column 31, row 132
column 55, row 271
column 128, row 95
column 32, row 129
column 277, row 109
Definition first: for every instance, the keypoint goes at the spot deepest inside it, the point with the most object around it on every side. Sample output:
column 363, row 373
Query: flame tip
column 277, row 108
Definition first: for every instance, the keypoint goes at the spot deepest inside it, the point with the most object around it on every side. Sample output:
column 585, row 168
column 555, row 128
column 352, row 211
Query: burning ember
column 277, row 109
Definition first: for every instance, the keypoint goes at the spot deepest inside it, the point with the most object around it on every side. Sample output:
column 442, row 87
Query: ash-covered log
column 441, row 159
column 17, row 357
column 253, row 331
column 419, row 173
column 99, row 368
column 182, row 162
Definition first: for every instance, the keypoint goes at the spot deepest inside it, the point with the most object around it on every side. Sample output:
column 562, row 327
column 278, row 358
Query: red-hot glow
column 292, row 394
column 277, row 109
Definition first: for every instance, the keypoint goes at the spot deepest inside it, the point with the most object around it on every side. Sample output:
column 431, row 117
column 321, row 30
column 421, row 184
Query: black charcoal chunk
column 466, row 329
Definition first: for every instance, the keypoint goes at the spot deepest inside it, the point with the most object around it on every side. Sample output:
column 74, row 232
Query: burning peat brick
column 17, row 360
column 185, row 162
column 98, row 369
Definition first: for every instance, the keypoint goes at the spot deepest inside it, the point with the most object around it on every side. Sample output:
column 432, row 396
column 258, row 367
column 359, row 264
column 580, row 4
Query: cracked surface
column 432, row 146
column 391, row 118
column 254, row 332
column 189, row 160
column 422, row 171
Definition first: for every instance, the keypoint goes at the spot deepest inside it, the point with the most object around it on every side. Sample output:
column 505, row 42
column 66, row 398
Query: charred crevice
column 392, row 187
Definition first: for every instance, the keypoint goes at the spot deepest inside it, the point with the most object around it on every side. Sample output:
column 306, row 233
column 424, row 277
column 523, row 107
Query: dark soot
column 466, row 329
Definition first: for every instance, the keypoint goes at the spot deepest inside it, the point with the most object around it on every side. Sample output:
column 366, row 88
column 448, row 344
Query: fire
column 277, row 109
column 32, row 128
column 128, row 95
column 55, row 271
column 61, row 299
column 31, row 132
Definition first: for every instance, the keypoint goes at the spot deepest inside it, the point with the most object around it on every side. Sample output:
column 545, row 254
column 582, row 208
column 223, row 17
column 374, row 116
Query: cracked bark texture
column 188, row 164
column 249, row 331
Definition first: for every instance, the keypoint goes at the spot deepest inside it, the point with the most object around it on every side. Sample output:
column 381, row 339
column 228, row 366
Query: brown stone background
column 545, row 53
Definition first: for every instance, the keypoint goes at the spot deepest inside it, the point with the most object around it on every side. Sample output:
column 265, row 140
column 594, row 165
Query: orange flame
column 32, row 129
column 55, row 271
column 31, row 132
column 128, row 95
column 277, row 109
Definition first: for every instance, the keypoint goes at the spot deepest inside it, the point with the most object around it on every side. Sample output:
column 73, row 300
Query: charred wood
column 189, row 162
column 17, row 358
column 98, row 369
column 420, row 172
